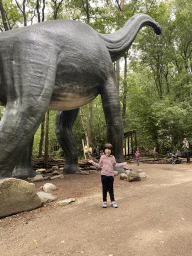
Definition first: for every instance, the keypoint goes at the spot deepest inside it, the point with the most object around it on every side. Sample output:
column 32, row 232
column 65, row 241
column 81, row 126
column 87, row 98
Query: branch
column 119, row 6
column 43, row 11
column 18, row 6
column 150, row 7
column 38, row 13
column 3, row 16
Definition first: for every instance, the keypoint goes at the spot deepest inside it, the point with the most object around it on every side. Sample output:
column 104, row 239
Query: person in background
column 97, row 152
column 106, row 163
column 137, row 154
column 186, row 150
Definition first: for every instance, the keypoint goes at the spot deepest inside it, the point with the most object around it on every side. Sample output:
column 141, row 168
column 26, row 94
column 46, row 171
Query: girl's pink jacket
column 106, row 164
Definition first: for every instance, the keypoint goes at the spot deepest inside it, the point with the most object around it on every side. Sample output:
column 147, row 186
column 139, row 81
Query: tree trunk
column 24, row 13
column 46, row 154
column 3, row 14
column 125, row 89
column 83, row 124
column 42, row 138
column 56, row 10
column 43, row 11
column 90, row 125
column 38, row 12
column 89, row 129
column 121, row 7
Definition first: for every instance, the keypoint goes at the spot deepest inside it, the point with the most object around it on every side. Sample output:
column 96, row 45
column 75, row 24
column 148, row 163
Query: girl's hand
column 90, row 161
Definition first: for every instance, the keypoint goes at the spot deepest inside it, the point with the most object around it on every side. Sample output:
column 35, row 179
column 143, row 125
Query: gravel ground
column 153, row 218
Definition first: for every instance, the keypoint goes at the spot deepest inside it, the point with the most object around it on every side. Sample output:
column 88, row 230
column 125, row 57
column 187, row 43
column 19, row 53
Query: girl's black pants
column 107, row 184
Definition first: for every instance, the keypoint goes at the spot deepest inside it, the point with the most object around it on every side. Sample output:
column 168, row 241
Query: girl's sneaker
column 104, row 205
column 113, row 204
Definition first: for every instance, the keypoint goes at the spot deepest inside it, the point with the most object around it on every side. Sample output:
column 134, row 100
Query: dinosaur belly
column 67, row 100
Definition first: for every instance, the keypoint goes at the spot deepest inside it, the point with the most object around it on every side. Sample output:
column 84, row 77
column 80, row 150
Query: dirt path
column 154, row 218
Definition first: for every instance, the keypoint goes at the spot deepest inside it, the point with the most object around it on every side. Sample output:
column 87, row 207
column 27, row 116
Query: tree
column 10, row 15
column 4, row 16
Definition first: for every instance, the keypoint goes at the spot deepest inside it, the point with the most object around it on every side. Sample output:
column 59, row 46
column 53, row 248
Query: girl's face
column 108, row 151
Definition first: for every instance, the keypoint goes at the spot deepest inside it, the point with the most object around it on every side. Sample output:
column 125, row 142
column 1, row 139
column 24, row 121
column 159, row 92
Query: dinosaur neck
column 121, row 40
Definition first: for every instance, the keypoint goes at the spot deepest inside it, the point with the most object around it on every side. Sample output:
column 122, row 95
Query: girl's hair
column 108, row 145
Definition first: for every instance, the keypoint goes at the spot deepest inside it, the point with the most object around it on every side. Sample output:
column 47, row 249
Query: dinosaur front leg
column 29, row 87
column 64, row 133
column 23, row 169
column 113, row 116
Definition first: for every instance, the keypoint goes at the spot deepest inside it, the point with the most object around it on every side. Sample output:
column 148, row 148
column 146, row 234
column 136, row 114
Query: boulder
column 16, row 196
column 48, row 187
column 127, row 172
column 133, row 176
column 142, row 175
column 38, row 177
column 46, row 197
column 123, row 176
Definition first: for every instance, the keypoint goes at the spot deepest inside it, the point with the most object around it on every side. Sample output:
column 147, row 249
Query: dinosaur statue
column 58, row 65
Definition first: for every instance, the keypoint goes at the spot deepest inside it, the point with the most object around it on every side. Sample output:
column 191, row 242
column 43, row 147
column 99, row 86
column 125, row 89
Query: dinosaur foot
column 23, row 173
column 71, row 168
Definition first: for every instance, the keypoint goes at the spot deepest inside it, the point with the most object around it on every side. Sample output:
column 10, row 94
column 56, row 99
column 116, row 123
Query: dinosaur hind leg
column 64, row 133
column 113, row 116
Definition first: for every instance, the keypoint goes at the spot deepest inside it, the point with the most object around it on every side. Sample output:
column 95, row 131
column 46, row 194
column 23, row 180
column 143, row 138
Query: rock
column 92, row 171
column 90, row 168
column 48, row 187
column 56, row 173
column 126, row 167
column 61, row 176
column 116, row 173
column 48, row 171
column 40, row 171
column 133, row 176
column 65, row 202
column 93, row 167
column 142, row 175
column 46, row 197
column 16, row 196
column 123, row 176
column 128, row 171
column 55, row 168
column 38, row 177
column 83, row 173
column 61, row 169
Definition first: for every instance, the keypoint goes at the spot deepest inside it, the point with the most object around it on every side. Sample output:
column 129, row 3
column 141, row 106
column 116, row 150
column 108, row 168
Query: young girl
column 137, row 157
column 106, row 163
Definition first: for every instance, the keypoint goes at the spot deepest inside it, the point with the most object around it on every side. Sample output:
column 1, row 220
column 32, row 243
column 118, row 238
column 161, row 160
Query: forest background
column 154, row 78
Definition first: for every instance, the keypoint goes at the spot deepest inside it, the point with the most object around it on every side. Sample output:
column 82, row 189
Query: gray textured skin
column 60, row 65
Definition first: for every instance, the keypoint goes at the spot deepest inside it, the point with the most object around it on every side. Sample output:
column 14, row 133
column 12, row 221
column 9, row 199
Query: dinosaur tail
column 121, row 40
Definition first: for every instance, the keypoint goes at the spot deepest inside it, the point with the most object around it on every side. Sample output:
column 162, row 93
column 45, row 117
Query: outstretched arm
column 120, row 164
column 98, row 165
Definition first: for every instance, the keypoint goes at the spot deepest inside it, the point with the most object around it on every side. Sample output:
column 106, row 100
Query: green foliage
column 52, row 136
column 13, row 15
column 99, row 135
column 1, row 111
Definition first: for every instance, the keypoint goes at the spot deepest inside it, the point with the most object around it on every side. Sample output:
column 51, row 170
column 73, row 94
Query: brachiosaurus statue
column 59, row 65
